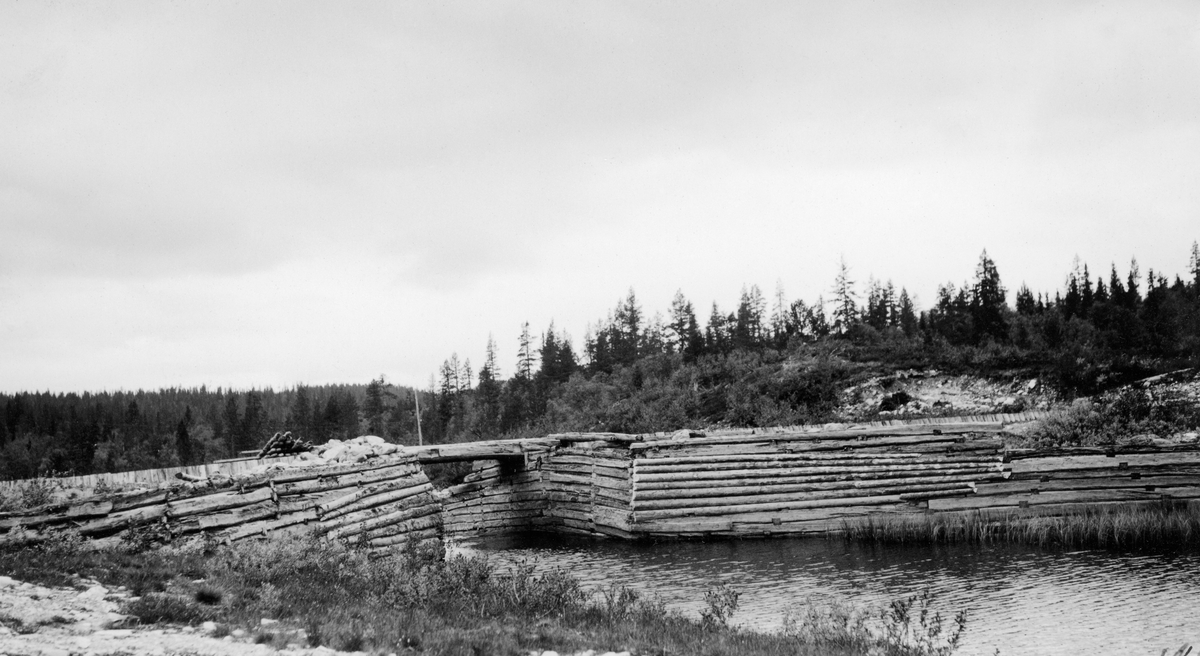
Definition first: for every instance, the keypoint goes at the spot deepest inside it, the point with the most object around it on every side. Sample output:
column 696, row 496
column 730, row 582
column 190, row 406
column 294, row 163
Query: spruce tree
column 845, row 306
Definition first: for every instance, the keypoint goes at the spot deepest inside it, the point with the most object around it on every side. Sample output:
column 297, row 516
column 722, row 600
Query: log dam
column 750, row 483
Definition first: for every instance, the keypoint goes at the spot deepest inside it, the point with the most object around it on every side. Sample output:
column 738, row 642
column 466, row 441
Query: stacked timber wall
column 786, row 483
column 589, row 487
column 496, row 497
column 381, row 503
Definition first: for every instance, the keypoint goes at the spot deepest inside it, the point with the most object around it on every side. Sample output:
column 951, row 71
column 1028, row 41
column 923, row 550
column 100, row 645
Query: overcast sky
column 272, row 193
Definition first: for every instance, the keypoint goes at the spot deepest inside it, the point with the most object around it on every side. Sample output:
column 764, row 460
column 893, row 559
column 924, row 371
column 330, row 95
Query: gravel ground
column 36, row 620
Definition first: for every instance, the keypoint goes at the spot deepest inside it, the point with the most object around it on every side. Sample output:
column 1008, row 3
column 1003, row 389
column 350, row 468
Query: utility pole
column 417, row 400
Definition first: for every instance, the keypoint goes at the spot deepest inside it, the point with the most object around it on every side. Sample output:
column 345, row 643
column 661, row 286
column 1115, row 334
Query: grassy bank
column 1122, row 526
column 324, row 593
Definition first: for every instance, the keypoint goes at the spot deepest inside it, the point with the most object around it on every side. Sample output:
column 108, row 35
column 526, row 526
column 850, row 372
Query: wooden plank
column 915, row 433
column 827, row 457
column 758, row 521
column 119, row 521
column 404, row 538
column 586, row 481
column 397, row 517
column 306, row 474
column 346, row 480
column 261, row 510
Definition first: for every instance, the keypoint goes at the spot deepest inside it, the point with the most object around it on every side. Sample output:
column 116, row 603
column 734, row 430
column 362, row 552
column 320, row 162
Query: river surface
column 1022, row 600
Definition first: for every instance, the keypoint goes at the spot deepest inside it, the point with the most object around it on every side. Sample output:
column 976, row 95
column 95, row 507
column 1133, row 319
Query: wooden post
column 417, row 400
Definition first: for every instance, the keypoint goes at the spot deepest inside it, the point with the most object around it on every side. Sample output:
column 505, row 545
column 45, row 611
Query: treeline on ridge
column 767, row 362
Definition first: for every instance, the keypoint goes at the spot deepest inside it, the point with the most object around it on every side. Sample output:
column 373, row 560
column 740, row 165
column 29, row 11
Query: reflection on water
column 1021, row 600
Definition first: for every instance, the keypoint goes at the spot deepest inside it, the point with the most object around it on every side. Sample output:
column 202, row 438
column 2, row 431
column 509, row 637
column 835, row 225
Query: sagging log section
column 742, row 483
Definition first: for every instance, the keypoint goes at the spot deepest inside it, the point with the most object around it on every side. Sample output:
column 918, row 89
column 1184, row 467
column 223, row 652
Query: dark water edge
column 1023, row 600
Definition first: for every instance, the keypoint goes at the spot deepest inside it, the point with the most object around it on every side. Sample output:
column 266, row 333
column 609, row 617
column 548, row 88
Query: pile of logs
column 283, row 444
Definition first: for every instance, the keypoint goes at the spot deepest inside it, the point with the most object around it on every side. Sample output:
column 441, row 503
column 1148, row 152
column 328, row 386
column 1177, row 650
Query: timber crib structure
column 745, row 483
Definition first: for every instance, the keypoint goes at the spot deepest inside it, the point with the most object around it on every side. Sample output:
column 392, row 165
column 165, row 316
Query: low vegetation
column 324, row 593
column 1099, row 526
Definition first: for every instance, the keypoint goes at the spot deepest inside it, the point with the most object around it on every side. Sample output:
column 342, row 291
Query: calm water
column 1024, row 601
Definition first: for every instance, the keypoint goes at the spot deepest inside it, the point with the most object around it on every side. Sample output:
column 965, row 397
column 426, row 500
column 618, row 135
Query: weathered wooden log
column 1139, row 460
column 914, row 433
column 586, row 481
column 267, row 526
column 707, row 502
column 784, row 462
column 119, row 521
column 639, row 478
column 714, row 491
column 386, row 520
column 404, row 538
column 346, row 480
column 218, row 502
column 315, row 472
column 648, row 463
column 1111, row 482
column 1076, row 496
column 1142, row 472
column 819, row 479
column 755, row 522
column 417, row 501
column 369, row 491
column 376, row 500
column 874, row 500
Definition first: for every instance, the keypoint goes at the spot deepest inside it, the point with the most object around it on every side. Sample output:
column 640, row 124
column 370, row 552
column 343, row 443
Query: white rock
column 267, row 622
column 208, row 627
column 6, row 582
column 114, row 633
column 373, row 440
column 549, row 653
column 237, row 633
column 83, row 643
column 94, row 593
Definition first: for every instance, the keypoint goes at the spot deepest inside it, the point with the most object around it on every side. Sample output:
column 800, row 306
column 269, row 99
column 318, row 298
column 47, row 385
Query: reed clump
column 1119, row 526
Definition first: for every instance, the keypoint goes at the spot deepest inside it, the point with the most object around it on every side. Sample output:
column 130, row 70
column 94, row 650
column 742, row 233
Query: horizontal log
column 261, row 510
column 417, row 501
column 897, row 432
column 875, row 500
column 1021, row 454
column 594, row 529
column 874, row 458
column 812, row 479
column 639, row 478
column 759, row 520
column 783, row 462
column 706, row 502
column 715, row 491
column 404, row 538
column 551, row 478
column 1060, row 463
column 560, row 458
column 1143, row 472
column 1079, row 496
column 881, row 445
column 1112, row 482
column 370, row 490
column 212, row 503
column 587, row 470
column 305, row 474
column 383, row 520
column 119, row 521
column 347, row 480
column 267, row 526
column 376, row 500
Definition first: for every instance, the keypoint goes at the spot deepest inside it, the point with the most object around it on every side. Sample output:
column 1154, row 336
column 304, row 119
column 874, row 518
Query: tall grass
column 1103, row 527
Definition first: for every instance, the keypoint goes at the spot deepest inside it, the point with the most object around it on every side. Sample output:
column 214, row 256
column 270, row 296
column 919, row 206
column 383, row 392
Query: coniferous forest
column 769, row 361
